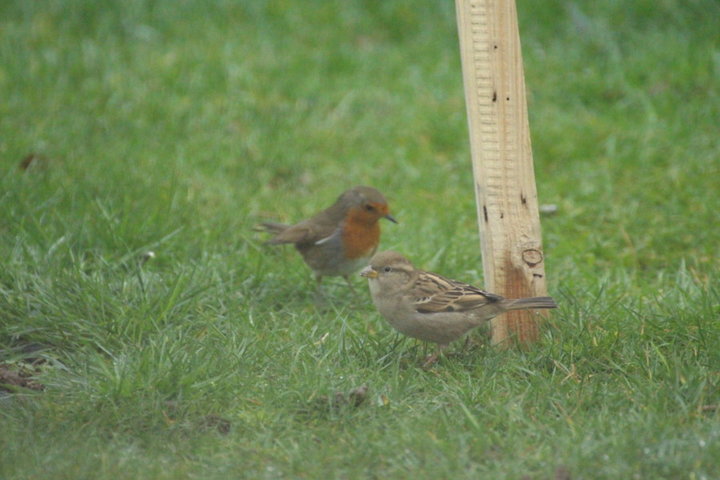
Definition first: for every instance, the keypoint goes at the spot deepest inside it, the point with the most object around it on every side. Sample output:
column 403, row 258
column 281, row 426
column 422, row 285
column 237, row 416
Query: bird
column 430, row 307
column 339, row 240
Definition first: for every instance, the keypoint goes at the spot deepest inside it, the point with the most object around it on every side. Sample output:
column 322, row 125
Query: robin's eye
column 369, row 208
column 387, row 269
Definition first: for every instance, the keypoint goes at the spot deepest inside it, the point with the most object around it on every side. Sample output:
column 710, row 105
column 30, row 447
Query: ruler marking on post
column 502, row 158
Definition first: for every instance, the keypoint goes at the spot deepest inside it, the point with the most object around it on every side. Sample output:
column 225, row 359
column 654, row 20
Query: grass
column 173, row 127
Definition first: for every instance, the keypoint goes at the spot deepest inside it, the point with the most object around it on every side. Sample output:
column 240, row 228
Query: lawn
column 173, row 127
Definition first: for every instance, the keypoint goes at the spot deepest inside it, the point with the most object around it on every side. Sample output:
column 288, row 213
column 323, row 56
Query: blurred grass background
column 173, row 127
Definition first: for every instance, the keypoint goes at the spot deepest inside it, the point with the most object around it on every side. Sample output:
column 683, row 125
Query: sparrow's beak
column 368, row 272
column 391, row 218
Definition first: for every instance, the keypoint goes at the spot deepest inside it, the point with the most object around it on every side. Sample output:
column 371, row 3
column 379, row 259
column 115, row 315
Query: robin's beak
column 368, row 272
column 391, row 218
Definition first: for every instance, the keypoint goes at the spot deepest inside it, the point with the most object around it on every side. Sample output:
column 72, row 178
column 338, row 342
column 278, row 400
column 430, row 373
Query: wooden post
column 506, row 196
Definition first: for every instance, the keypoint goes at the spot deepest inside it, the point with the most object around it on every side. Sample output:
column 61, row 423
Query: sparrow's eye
column 387, row 269
column 369, row 208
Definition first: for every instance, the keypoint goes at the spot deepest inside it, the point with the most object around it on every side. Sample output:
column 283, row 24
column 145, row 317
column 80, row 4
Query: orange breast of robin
column 361, row 234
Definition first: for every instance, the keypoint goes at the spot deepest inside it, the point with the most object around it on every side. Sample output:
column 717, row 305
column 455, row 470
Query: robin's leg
column 347, row 279
column 319, row 294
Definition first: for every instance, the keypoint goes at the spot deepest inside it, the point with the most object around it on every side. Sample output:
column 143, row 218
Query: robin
column 433, row 308
column 339, row 240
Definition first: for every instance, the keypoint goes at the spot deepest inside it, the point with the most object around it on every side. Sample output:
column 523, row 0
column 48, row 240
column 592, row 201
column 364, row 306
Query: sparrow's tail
column 531, row 303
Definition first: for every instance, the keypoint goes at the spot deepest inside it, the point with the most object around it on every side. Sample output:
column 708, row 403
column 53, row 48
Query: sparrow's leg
column 429, row 361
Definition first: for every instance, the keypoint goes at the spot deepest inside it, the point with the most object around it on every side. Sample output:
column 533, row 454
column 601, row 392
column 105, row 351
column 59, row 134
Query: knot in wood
column 532, row 256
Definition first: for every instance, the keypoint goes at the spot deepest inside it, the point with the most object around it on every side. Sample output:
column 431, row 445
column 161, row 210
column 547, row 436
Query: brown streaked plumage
column 430, row 307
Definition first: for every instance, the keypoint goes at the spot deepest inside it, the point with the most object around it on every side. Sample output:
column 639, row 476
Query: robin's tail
column 271, row 227
column 531, row 303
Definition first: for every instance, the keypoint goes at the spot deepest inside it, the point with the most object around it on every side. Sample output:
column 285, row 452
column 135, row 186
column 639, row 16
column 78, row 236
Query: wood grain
column 506, row 195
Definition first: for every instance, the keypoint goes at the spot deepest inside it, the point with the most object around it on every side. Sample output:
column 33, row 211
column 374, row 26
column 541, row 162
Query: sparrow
column 430, row 307
column 339, row 240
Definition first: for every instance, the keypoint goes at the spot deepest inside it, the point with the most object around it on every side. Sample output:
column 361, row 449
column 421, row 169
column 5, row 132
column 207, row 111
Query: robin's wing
column 309, row 231
column 292, row 234
column 435, row 293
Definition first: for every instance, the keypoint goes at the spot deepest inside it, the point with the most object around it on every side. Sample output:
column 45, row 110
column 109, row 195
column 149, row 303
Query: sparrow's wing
column 435, row 293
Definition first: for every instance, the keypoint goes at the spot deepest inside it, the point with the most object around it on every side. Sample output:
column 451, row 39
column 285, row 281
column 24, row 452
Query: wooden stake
column 506, row 196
